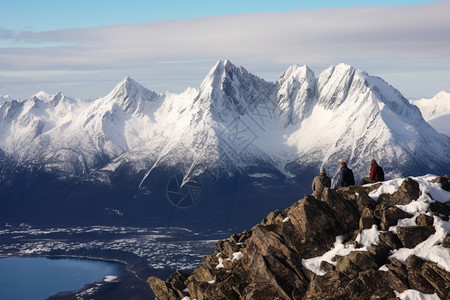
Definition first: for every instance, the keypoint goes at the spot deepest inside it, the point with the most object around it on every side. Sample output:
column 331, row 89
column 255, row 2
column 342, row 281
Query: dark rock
column 172, row 288
column 444, row 181
column 446, row 241
column 367, row 219
column 390, row 240
column 370, row 284
column 416, row 280
column 389, row 216
column 397, row 275
column 408, row 191
column 438, row 278
column 411, row 236
column 440, row 209
column 273, row 251
column 358, row 196
column 326, row 266
column 424, row 220
column 274, row 217
column 380, row 253
column 356, row 262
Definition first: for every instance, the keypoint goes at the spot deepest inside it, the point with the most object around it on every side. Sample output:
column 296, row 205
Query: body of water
column 41, row 277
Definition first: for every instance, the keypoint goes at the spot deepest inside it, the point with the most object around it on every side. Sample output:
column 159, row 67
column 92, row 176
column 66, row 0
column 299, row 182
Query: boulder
column 446, row 241
column 415, row 279
column 367, row 219
column 444, row 181
column 440, row 209
column 409, row 190
column 356, row 262
column 389, row 240
column 424, row 220
column 411, row 236
column 389, row 216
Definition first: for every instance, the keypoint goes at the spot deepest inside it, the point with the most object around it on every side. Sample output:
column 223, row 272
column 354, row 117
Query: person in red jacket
column 376, row 173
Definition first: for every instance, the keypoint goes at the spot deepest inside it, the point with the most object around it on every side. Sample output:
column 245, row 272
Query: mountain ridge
column 436, row 111
column 360, row 242
column 234, row 134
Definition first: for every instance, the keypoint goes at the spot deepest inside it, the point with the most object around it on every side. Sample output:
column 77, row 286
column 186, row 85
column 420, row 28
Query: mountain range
column 205, row 156
column 436, row 111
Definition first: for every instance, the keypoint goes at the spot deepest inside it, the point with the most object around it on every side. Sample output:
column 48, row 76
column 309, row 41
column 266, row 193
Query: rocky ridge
column 380, row 231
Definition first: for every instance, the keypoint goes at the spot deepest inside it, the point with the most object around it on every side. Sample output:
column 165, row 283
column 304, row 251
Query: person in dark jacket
column 345, row 176
column 376, row 173
column 320, row 182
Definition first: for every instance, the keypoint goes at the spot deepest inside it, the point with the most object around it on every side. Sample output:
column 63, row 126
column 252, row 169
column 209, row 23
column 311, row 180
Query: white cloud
column 380, row 40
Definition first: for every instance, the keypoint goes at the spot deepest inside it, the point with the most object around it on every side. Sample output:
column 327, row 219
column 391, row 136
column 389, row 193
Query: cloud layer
column 409, row 46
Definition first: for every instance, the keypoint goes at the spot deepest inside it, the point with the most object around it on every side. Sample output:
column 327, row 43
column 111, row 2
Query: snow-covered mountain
column 436, row 111
column 258, row 136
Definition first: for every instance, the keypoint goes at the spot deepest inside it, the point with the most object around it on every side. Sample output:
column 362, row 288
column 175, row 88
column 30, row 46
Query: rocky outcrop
column 267, row 261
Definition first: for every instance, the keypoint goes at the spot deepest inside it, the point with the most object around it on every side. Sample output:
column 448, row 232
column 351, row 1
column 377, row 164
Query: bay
column 40, row 277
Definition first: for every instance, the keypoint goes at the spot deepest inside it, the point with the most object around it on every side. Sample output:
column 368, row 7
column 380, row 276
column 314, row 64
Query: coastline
column 129, row 282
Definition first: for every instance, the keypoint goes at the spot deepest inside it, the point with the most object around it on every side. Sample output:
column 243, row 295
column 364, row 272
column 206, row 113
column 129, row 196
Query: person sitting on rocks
column 376, row 173
column 320, row 182
column 345, row 176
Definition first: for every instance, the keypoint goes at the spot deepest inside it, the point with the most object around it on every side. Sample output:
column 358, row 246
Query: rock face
column 267, row 262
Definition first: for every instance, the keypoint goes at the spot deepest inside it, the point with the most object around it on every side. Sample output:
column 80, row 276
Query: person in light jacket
column 320, row 182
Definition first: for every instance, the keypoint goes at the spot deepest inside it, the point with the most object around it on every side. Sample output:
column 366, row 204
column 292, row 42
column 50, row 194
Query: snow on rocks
column 416, row 295
column 313, row 264
column 110, row 278
column 370, row 260
column 237, row 256
column 366, row 238
column 430, row 249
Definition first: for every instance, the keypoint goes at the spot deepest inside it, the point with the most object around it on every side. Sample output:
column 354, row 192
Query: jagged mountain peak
column 129, row 94
column 344, row 86
column 126, row 86
column 296, row 71
column 229, row 90
column 436, row 111
column 220, row 71
column 43, row 96
column 296, row 93
column 439, row 104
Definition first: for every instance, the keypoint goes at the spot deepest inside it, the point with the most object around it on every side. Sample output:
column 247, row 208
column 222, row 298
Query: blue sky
column 83, row 48
column 42, row 15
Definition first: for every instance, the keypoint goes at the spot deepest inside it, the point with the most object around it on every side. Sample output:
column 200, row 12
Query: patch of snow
column 427, row 188
column 368, row 237
column 383, row 268
column 415, row 295
column 387, row 187
column 212, row 281
column 365, row 239
column 286, row 220
column 313, row 264
column 110, row 278
column 430, row 249
column 220, row 265
column 261, row 175
column 237, row 256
